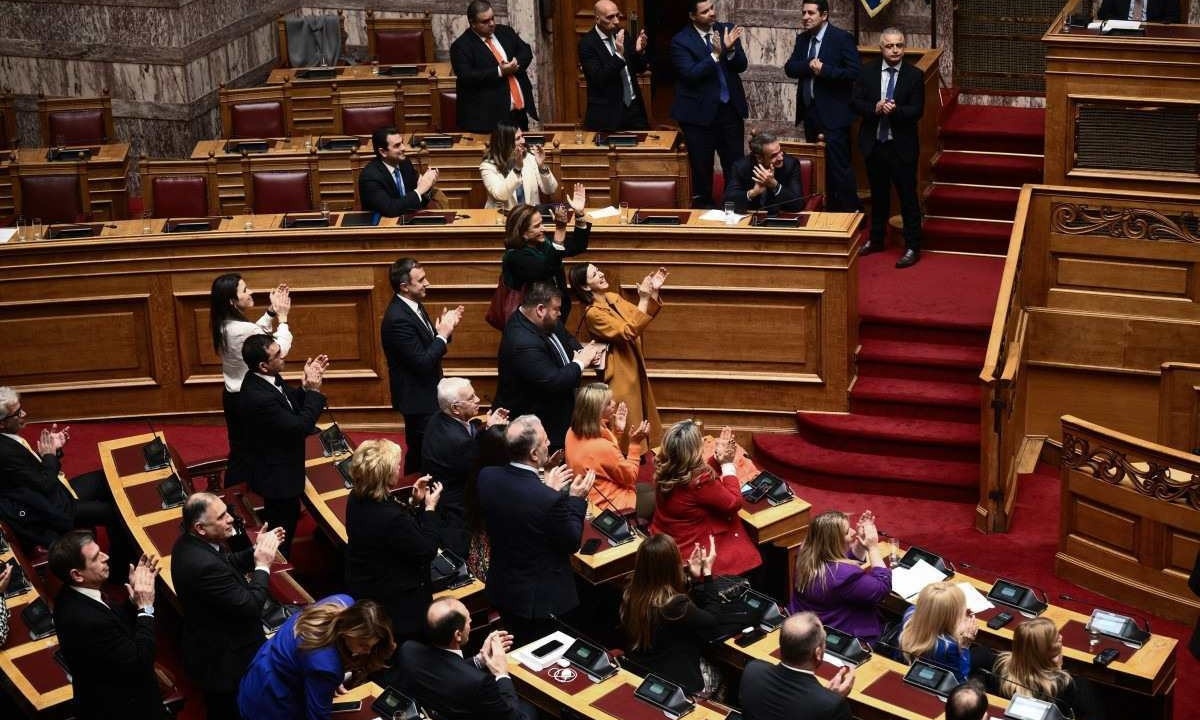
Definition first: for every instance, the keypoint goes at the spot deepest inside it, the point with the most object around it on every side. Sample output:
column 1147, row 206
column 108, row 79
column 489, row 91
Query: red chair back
column 281, row 192
column 180, row 196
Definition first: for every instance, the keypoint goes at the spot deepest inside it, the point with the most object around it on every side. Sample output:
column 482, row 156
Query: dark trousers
column 885, row 169
column 724, row 137
column 284, row 513
column 414, row 437
column 235, row 472
column 841, row 188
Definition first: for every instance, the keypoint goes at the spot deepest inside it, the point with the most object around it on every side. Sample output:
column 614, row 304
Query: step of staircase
column 875, row 435
column 971, row 235
column 916, row 399
column 972, row 201
column 914, row 360
column 982, row 168
column 806, row 463
column 995, row 129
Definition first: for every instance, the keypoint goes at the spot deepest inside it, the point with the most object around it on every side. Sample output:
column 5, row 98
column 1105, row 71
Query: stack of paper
column 909, row 582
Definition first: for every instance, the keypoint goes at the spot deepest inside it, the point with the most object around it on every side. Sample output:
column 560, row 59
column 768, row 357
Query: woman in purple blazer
column 830, row 579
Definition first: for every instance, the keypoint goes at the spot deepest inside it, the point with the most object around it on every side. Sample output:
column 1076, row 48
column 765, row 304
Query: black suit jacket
column 414, row 358
column 453, row 688
column 533, row 378
column 221, row 611
column 1163, row 11
column 388, row 551
column 378, row 192
column 483, row 96
column 773, row 692
column 789, row 198
column 605, row 84
column 533, row 531
column 32, row 500
column 111, row 657
column 909, row 96
column 276, row 432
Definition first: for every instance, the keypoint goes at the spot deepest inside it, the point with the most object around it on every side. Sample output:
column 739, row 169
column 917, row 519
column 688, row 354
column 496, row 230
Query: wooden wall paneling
column 1179, row 406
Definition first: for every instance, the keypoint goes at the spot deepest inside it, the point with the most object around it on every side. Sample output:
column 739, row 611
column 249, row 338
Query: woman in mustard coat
column 611, row 319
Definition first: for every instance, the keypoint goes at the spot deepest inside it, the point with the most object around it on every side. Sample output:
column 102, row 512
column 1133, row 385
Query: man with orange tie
column 35, row 500
column 490, row 73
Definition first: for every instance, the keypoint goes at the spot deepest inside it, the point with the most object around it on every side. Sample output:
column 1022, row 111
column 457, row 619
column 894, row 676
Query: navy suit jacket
column 605, row 86
column 276, row 431
column 534, row 531
column 414, row 358
column 483, row 95
column 909, row 95
column 832, row 88
column 698, row 90
column 378, row 192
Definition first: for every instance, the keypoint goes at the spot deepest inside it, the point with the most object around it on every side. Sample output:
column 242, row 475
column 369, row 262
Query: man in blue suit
column 710, row 105
column 825, row 61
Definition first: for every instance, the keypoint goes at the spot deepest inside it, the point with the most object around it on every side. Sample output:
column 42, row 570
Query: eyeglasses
column 13, row 414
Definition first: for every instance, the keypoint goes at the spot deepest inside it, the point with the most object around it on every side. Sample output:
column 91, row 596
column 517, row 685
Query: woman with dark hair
column 530, row 258
column 668, row 623
column 1034, row 668
column 610, row 318
column 512, row 173
column 693, row 502
column 830, row 580
column 592, row 444
column 229, row 301
column 296, row 673
column 390, row 545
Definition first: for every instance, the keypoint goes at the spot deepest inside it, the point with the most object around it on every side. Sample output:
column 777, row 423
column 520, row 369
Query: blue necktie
column 399, row 182
column 720, row 70
column 885, row 124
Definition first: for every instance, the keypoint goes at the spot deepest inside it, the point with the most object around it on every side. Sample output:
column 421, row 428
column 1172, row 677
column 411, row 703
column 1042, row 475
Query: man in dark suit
column 490, row 73
column 1156, row 11
column 451, row 686
column 890, row 97
column 450, row 451
column 534, row 527
column 389, row 185
column 710, row 104
column 110, row 654
column 414, row 345
column 222, row 610
column 825, row 61
column 540, row 363
column 765, row 179
column 280, row 418
column 791, row 690
column 614, row 101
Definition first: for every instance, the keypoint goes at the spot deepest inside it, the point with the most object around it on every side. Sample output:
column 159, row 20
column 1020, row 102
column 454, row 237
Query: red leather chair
column 400, row 41
column 648, row 193
column 446, row 111
column 76, row 121
column 262, row 112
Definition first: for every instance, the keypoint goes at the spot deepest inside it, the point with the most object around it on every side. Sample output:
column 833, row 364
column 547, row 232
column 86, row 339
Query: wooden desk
column 107, row 173
column 312, row 109
column 27, row 663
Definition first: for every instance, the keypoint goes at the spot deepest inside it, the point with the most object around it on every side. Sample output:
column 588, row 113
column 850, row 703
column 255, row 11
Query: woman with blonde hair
column 830, row 579
column 592, row 444
column 529, row 257
column 941, row 629
column 514, row 173
column 611, row 319
column 692, row 501
column 1034, row 668
column 296, row 673
column 668, row 618
column 391, row 544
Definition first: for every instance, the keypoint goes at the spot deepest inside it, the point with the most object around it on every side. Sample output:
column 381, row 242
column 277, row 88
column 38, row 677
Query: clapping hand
column 726, row 448
column 620, row 417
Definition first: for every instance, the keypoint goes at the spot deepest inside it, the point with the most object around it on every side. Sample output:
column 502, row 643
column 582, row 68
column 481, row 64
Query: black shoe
column 870, row 249
column 909, row 258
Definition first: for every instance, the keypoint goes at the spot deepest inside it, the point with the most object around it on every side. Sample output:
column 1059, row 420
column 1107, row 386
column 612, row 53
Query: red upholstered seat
column 77, row 127
column 53, row 198
column 281, row 192
column 400, row 47
column 180, row 196
column 364, row 120
column 448, row 110
column 257, row 120
column 648, row 193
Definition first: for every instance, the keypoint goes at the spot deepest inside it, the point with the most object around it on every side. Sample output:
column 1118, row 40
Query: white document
column 604, row 212
column 909, row 582
column 525, row 656
column 976, row 601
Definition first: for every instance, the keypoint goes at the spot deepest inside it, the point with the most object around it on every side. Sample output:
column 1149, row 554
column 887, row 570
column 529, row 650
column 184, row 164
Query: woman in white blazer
column 514, row 174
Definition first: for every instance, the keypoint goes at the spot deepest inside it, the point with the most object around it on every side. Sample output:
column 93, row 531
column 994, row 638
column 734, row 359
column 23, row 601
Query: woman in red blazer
column 694, row 502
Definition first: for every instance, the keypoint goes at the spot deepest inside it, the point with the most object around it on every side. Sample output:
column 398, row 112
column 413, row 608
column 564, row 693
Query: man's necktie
column 626, row 82
column 399, row 182
column 562, row 353
column 885, row 123
column 514, row 89
column 720, row 70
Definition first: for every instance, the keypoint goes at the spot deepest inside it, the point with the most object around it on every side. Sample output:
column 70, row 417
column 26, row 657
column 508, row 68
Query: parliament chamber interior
column 1018, row 412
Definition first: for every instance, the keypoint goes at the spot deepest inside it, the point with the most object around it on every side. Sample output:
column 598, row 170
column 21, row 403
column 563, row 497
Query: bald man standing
column 611, row 63
column 451, row 686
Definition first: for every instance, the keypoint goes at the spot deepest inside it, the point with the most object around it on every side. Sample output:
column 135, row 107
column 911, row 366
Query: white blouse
column 236, row 331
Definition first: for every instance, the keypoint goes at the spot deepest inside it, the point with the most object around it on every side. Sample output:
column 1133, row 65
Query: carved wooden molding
column 1113, row 467
column 1125, row 223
